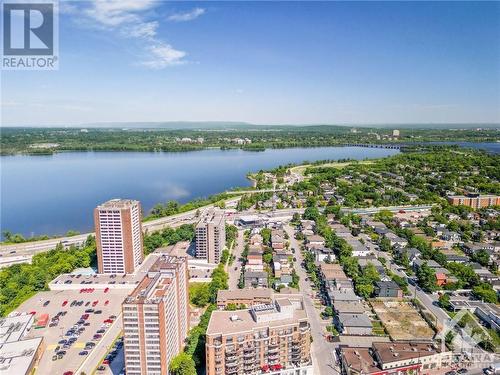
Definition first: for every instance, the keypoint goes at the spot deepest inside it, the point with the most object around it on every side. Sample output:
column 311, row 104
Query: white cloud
column 141, row 30
column 117, row 12
column 128, row 18
column 163, row 55
column 187, row 16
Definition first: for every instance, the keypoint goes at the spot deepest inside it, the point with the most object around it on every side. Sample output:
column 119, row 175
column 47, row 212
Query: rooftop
column 387, row 352
column 16, row 357
column 117, row 204
column 354, row 320
column 15, row 327
column 239, row 321
column 224, row 295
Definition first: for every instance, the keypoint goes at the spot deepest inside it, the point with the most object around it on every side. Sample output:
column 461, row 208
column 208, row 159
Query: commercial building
column 14, row 328
column 118, row 236
column 18, row 356
column 211, row 237
column 474, row 200
column 391, row 357
column 272, row 338
column 156, row 317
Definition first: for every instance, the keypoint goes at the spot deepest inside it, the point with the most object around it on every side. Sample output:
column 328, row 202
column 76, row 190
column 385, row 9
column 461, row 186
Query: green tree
column 385, row 244
column 426, row 278
column 182, row 364
column 485, row 292
column 482, row 257
column 444, row 301
column 311, row 213
column 266, row 236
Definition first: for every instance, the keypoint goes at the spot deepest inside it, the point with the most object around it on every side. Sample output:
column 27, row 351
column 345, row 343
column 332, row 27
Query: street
column 321, row 350
column 234, row 270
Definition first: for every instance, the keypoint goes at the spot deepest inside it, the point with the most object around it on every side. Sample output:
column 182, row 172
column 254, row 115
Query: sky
column 265, row 63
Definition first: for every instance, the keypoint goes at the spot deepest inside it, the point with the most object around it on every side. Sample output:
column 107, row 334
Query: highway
column 31, row 248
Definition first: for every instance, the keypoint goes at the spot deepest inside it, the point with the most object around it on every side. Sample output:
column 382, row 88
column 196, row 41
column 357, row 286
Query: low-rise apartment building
column 246, row 297
column 273, row 338
column 474, row 200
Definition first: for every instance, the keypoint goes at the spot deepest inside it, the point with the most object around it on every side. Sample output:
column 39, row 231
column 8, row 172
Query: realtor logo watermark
column 30, row 38
column 471, row 344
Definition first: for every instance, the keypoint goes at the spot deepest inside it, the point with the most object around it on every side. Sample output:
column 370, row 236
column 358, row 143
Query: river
column 56, row 193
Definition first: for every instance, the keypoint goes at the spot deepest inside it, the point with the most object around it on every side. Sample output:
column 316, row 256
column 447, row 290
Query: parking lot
column 80, row 324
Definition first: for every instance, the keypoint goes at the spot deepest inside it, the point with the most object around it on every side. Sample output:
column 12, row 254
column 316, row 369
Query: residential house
column 353, row 324
column 323, row 253
column 387, row 289
column 315, row 240
column 355, row 307
column 451, row 236
column 396, row 240
column 255, row 279
column 277, row 239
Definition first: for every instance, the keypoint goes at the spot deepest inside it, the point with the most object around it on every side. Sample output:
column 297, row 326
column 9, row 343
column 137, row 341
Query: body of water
column 56, row 193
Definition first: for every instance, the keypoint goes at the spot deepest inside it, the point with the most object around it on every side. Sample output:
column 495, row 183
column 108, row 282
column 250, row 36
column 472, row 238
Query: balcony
column 217, row 343
column 273, row 350
column 231, row 365
column 273, row 355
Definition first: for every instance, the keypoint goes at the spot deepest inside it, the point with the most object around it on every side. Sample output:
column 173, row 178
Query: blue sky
column 266, row 63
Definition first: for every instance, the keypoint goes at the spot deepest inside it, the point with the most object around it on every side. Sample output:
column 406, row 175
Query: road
column 321, row 350
column 373, row 210
column 101, row 349
column 234, row 271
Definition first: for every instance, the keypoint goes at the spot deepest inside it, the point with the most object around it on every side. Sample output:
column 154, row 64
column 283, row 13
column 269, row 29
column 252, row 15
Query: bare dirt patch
column 402, row 321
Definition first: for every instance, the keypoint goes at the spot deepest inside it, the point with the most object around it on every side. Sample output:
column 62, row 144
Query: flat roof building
column 156, row 317
column 248, row 297
column 474, row 200
column 211, row 237
column 14, row 328
column 385, row 358
column 118, row 236
column 273, row 338
column 20, row 357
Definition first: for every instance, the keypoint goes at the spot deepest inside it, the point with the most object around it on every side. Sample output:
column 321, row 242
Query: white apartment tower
column 118, row 236
column 211, row 237
column 156, row 317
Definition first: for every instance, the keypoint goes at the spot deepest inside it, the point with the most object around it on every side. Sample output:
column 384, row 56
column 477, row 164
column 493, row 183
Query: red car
column 106, row 303
column 108, row 321
column 106, row 290
column 65, row 303
column 85, row 316
column 94, row 303
column 105, row 362
column 68, row 373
